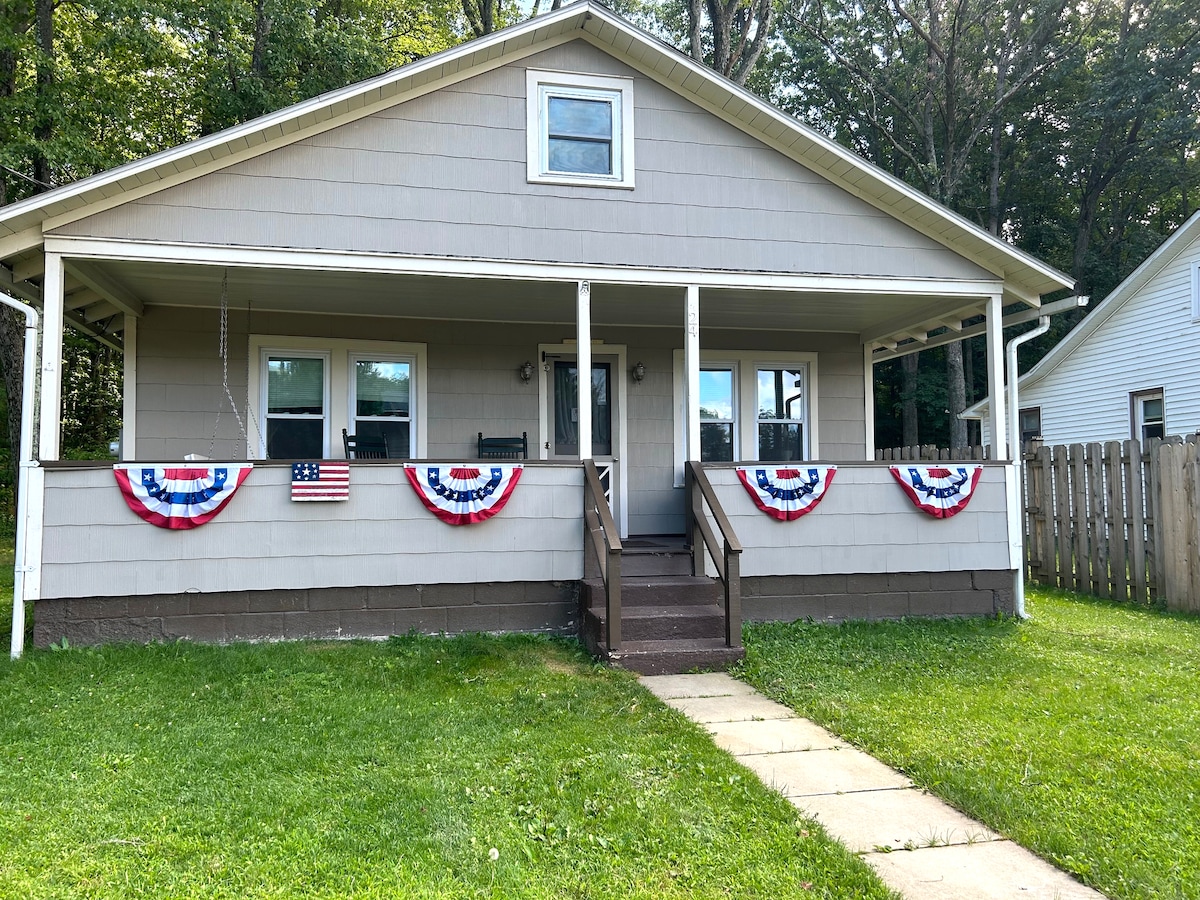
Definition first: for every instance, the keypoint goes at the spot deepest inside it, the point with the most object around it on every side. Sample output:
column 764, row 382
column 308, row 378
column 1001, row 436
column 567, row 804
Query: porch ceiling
column 869, row 315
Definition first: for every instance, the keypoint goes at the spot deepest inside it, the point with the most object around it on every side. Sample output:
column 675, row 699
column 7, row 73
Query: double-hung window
column 1149, row 414
column 580, row 129
column 382, row 402
column 1030, row 423
column 717, row 418
column 297, row 405
column 305, row 390
column 754, row 406
column 781, row 414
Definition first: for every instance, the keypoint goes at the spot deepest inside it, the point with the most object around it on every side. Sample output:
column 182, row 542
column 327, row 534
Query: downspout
column 25, row 463
column 1014, row 443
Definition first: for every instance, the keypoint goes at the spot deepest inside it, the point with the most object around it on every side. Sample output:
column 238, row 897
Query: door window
column 566, row 411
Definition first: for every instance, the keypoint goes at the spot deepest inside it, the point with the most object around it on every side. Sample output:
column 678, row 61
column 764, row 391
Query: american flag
column 321, row 481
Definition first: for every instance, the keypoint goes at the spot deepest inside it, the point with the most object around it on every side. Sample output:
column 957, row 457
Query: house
column 1129, row 369
column 471, row 231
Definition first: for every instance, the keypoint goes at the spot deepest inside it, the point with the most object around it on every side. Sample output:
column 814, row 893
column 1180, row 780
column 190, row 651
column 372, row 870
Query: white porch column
column 869, row 402
column 691, row 372
column 52, row 351
column 583, row 334
column 995, row 369
column 129, row 391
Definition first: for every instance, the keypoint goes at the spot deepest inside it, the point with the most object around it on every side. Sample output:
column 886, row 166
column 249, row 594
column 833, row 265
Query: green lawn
column 1076, row 733
column 380, row 770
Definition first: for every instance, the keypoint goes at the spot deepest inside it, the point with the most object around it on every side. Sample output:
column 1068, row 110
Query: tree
column 737, row 32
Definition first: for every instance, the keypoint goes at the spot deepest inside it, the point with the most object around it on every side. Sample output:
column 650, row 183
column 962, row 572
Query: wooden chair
column 504, row 447
column 364, row 448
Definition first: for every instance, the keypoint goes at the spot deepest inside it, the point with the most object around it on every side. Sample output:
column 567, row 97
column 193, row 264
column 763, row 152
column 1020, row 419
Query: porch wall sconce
column 526, row 371
column 638, row 372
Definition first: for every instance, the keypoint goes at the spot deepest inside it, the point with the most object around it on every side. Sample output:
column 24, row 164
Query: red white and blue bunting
column 179, row 498
column 786, row 494
column 462, row 495
column 941, row 491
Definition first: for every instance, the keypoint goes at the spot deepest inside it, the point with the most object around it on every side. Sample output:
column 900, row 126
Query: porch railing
column 606, row 543
column 700, row 536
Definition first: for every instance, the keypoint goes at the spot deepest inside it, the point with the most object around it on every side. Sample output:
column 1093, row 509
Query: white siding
column 95, row 546
column 867, row 524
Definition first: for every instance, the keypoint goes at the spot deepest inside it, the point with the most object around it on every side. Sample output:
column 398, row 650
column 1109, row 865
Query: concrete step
column 675, row 657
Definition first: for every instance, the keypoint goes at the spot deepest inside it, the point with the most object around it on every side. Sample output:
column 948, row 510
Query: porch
column 381, row 564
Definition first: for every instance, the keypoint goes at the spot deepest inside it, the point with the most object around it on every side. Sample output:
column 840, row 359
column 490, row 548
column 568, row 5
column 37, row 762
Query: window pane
column 716, row 442
column 295, row 438
column 1153, row 431
column 781, row 442
column 780, row 394
column 584, row 157
column 570, row 117
column 716, row 394
column 295, row 386
column 381, row 388
column 1152, row 410
column 397, row 435
column 566, row 414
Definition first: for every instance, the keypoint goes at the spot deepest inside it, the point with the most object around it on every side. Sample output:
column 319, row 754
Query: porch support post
column 583, row 334
column 869, row 402
column 52, row 353
column 129, row 391
column 995, row 368
column 691, row 372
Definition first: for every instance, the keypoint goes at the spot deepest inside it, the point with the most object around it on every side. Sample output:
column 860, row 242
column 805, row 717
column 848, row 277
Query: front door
column 562, row 418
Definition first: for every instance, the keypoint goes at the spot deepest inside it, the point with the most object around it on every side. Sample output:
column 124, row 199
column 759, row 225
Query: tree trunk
column 43, row 130
column 956, row 394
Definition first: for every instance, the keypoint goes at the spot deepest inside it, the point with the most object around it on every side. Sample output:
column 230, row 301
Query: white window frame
column 264, row 357
column 746, row 398
column 802, row 420
column 1196, row 292
column 1137, row 402
column 735, row 435
column 541, row 85
column 352, row 417
column 341, row 355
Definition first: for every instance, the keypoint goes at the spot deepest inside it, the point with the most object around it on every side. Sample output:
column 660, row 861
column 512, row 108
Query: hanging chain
column 223, row 350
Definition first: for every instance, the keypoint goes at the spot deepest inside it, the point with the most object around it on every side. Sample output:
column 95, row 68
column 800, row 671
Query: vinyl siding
column 473, row 386
column 445, row 175
column 866, row 524
column 1152, row 341
column 95, row 546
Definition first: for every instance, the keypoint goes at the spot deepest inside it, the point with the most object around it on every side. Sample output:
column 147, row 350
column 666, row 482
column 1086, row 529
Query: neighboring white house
column 1131, row 368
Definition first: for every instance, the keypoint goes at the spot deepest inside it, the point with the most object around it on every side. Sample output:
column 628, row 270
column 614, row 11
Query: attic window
column 580, row 129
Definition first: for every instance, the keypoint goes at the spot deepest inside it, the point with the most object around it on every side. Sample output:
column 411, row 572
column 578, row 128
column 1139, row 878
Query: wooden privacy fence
column 1116, row 520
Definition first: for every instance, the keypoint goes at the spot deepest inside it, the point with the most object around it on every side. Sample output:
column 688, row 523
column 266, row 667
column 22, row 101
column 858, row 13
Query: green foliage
column 381, row 770
column 1073, row 733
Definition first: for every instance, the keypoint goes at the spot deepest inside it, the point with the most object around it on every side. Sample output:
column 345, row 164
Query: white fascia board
column 463, row 267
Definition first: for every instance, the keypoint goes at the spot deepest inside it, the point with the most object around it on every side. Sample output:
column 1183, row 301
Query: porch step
column 654, row 590
column 669, row 624
column 675, row 657
column 655, row 555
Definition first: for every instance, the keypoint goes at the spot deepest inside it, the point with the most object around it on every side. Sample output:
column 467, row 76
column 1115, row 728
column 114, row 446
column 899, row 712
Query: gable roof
column 1026, row 278
column 1121, row 295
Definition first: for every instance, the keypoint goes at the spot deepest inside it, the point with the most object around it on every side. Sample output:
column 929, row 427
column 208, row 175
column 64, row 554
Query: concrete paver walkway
column 920, row 846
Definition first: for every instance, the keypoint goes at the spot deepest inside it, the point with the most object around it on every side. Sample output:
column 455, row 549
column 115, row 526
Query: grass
column 375, row 770
column 1075, row 733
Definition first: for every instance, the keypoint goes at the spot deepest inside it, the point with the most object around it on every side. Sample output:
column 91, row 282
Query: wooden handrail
column 701, row 537
column 606, row 543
